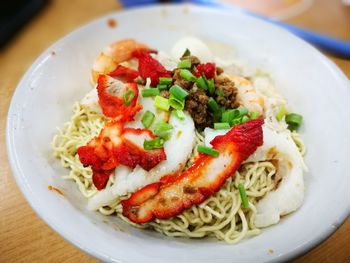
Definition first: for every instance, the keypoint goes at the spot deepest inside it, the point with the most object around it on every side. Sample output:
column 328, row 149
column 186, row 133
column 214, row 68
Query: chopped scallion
column 217, row 115
column 221, row 125
column 253, row 115
column 179, row 114
column 150, row 92
column 147, row 119
column 202, row 83
column 187, row 75
column 213, row 105
column 186, row 53
column 186, row 63
column 229, row 115
column 178, row 92
column 244, row 119
column 243, row 195
column 220, row 93
column 128, row 97
column 165, row 81
column 242, row 111
column 235, row 116
column 236, row 121
column 163, row 130
column 211, row 86
column 176, row 103
column 281, row 113
column 161, row 87
column 294, row 121
column 153, row 144
column 208, row 151
column 161, row 103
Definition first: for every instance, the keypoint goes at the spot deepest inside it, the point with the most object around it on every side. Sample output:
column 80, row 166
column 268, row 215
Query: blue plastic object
column 133, row 3
column 332, row 45
column 335, row 46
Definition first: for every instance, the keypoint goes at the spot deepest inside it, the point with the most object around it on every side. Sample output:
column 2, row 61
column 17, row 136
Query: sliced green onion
column 150, row 92
column 163, row 130
column 162, row 126
column 221, row 125
column 220, row 93
column 229, row 115
column 242, row 111
column 186, row 53
column 281, row 113
column 207, row 150
column 128, row 97
column 176, row 103
column 244, row 119
column 165, row 81
column 153, row 144
column 211, row 86
column 147, row 119
column 243, row 195
column 253, row 115
column 178, row 92
column 217, row 115
column 187, row 75
column 236, row 121
column 161, row 87
column 202, row 83
column 161, row 103
column 234, row 116
column 239, row 120
column 213, row 105
column 294, row 121
column 179, row 114
column 186, row 63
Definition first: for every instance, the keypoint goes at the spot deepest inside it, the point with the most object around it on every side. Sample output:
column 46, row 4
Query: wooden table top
column 26, row 238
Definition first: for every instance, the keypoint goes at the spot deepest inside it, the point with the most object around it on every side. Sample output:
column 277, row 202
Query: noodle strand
column 221, row 216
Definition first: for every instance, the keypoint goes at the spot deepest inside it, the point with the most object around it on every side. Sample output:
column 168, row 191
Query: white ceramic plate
column 312, row 84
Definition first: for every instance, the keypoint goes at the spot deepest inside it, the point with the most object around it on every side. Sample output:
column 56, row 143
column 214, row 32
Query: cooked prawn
column 247, row 95
column 115, row 54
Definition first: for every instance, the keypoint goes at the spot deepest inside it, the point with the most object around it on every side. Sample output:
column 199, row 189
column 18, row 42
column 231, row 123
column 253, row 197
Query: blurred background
column 17, row 17
column 28, row 27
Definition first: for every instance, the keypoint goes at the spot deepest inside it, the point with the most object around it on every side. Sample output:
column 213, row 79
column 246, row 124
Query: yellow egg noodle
column 221, row 216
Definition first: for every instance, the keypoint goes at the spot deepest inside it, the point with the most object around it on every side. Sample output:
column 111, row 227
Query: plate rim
column 30, row 197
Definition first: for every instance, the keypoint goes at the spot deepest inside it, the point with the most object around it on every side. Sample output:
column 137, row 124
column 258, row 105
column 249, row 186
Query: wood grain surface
column 26, row 238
